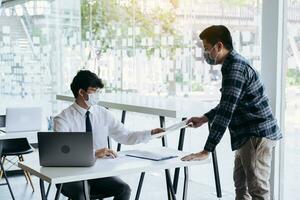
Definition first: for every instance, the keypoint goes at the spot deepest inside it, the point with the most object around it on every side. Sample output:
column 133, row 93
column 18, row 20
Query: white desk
column 163, row 107
column 159, row 106
column 31, row 136
column 106, row 168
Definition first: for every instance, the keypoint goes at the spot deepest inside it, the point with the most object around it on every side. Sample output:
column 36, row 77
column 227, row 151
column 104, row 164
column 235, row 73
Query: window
column 152, row 47
column 292, row 101
column 39, row 46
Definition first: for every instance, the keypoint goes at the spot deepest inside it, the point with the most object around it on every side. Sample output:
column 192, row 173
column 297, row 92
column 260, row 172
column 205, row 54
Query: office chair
column 4, row 174
column 16, row 147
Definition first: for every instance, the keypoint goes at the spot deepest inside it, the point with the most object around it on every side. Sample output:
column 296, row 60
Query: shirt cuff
column 209, row 146
column 147, row 136
column 209, row 116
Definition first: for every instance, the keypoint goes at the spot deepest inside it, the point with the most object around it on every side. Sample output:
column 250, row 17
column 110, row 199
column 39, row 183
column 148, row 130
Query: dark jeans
column 103, row 187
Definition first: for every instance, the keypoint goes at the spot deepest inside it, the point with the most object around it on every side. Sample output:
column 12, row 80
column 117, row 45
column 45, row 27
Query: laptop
column 66, row 149
column 23, row 119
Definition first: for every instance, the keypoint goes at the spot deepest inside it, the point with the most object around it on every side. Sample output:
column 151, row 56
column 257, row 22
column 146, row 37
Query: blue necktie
column 88, row 125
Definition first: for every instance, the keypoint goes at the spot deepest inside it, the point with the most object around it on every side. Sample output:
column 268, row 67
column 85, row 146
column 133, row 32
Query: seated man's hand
column 157, row 131
column 196, row 156
column 105, row 152
column 197, row 121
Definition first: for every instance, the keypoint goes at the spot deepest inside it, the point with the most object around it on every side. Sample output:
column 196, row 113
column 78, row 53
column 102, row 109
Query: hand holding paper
column 157, row 131
column 197, row 121
column 176, row 126
column 180, row 125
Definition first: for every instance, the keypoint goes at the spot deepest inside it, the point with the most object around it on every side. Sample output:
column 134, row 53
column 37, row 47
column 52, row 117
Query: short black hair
column 85, row 79
column 217, row 33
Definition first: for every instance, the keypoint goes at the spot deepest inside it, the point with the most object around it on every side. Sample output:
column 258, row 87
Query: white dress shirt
column 104, row 124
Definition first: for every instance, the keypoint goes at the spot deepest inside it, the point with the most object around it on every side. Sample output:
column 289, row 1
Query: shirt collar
column 81, row 110
column 230, row 55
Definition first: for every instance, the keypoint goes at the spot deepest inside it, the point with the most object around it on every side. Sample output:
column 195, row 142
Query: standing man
column 245, row 110
column 84, row 115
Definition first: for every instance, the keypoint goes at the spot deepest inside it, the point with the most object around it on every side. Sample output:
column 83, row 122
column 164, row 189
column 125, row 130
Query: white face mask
column 93, row 99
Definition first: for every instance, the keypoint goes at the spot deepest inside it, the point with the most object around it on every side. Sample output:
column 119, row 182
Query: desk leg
column 167, row 182
column 48, row 190
column 162, row 125
column 170, row 189
column 123, row 121
column 167, row 172
column 217, row 176
column 108, row 138
column 186, row 181
column 58, row 191
column 216, row 171
column 108, row 142
column 86, row 190
column 180, row 148
column 42, row 188
column 138, row 192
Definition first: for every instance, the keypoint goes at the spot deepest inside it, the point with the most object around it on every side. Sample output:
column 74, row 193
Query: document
column 155, row 156
column 174, row 127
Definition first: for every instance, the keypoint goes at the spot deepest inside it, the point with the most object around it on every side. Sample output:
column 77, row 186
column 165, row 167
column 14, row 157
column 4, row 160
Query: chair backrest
column 15, row 145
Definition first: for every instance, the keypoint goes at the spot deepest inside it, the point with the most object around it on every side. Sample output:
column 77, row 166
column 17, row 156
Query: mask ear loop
column 86, row 95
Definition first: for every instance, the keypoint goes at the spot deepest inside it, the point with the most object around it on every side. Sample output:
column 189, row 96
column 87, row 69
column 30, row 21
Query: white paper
column 172, row 128
column 176, row 126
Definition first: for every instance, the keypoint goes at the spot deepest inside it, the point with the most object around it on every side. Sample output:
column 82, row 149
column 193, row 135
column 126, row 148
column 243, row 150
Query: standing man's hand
column 196, row 122
column 196, row 156
column 105, row 152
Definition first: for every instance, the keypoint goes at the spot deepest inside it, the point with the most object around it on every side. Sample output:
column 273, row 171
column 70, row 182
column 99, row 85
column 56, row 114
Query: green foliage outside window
column 293, row 77
column 109, row 16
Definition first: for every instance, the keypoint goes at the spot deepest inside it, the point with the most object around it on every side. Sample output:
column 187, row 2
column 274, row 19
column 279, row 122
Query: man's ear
column 81, row 92
column 220, row 46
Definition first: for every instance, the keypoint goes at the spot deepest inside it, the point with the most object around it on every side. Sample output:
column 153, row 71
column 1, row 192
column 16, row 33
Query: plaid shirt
column 243, row 107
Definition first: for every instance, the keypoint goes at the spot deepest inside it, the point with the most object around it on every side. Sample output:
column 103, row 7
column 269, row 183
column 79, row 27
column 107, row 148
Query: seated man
column 84, row 115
